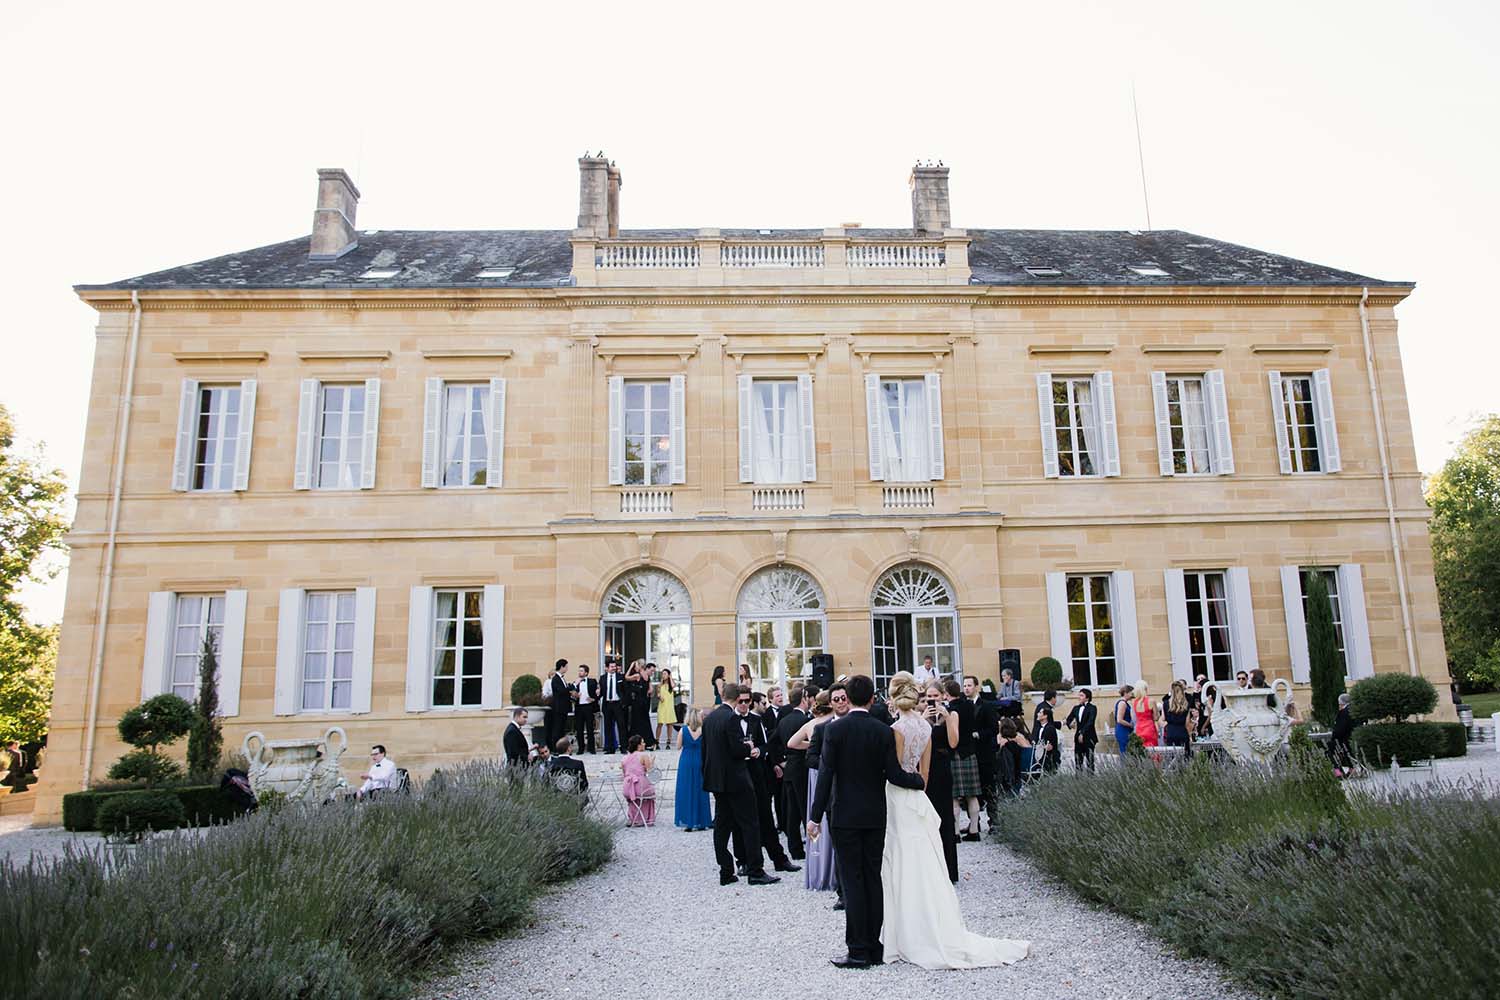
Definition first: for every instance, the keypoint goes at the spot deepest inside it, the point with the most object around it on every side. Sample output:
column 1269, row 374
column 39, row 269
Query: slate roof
column 544, row 258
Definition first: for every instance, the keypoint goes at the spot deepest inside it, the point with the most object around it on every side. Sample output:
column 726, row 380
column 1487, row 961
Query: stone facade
column 557, row 534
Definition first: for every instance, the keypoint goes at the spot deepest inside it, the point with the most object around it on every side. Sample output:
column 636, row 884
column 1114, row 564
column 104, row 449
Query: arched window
column 781, row 624
column 914, row 615
column 647, row 615
column 646, row 593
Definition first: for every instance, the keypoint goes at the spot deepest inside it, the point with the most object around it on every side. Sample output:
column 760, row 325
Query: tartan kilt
column 966, row 777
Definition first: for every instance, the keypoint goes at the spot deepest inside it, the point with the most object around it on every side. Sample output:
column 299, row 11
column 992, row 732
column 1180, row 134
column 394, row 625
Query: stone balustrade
column 774, row 498
column 895, row 255
column 645, row 500
column 647, row 255
column 772, row 255
column 906, row 497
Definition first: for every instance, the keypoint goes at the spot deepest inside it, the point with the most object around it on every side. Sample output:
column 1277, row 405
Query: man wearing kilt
column 966, row 785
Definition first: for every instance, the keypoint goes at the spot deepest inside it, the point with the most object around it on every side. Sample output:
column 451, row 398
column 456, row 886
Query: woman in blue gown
column 691, row 811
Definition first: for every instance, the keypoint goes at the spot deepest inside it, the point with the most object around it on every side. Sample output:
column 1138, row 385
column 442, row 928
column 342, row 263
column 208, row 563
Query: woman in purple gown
column 817, row 870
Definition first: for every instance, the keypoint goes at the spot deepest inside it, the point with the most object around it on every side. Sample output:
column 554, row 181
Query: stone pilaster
column 843, row 403
column 714, row 449
column 581, row 411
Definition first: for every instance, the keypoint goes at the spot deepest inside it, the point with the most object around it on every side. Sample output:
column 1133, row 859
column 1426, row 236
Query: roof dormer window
column 380, row 273
column 1149, row 270
column 1040, row 271
column 495, row 273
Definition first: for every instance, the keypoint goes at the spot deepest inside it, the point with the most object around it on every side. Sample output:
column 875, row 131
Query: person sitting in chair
column 566, row 772
column 380, row 776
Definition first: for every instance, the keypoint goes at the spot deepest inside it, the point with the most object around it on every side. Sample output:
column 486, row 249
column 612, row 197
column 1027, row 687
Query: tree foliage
column 1465, row 500
column 206, row 738
column 28, row 659
column 1325, row 669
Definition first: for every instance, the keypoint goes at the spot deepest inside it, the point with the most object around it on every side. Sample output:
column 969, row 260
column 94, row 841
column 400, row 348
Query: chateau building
column 390, row 471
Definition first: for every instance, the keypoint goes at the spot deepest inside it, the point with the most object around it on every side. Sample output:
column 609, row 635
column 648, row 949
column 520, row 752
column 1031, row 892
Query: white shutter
column 1358, row 659
column 1278, row 414
column 246, row 435
column 1049, row 425
column 1163, row 424
column 1057, row 621
column 1296, row 623
column 432, row 434
column 419, row 651
column 616, row 430
column 1127, row 637
column 307, row 435
column 161, row 621
column 1328, row 432
column 1177, row 626
column 372, row 426
column 747, row 414
column 232, row 652
column 1218, row 421
column 872, row 421
column 679, row 428
column 1104, row 412
column 494, row 473
column 492, row 622
column 364, row 650
column 809, row 434
column 187, row 422
column 1241, row 618
column 935, row 425
column 289, row 622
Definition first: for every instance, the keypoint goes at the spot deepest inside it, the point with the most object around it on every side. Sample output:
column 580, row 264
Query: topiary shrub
column 1455, row 739
column 1325, row 668
column 132, row 815
column 1379, row 743
column 1046, row 673
column 1391, row 696
column 145, row 766
column 153, row 723
column 526, row 690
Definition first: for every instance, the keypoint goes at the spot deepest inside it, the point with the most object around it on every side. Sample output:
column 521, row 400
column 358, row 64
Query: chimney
column 929, row 198
column 594, row 214
column 333, row 233
column 614, row 201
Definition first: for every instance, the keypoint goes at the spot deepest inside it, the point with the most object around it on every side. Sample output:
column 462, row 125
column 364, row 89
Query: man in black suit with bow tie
column 1084, row 716
column 559, row 700
column 793, row 765
column 514, row 740
column 585, row 703
column 727, row 752
column 859, row 757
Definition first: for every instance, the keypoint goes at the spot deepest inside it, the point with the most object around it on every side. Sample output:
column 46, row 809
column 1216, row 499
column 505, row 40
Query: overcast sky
column 140, row 136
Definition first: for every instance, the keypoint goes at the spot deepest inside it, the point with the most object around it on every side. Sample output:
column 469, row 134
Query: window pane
column 343, row 666
column 341, row 694
column 312, row 696
column 442, row 691
column 445, row 664
column 472, row 690
column 313, row 664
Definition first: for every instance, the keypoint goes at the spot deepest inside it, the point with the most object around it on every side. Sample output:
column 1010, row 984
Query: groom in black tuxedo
column 859, row 757
column 727, row 755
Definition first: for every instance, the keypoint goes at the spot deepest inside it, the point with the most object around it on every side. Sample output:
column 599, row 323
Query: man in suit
column 585, row 704
column 726, row 753
column 566, row 771
column 986, row 750
column 558, row 701
column 514, row 740
column 859, row 757
column 753, row 725
column 1083, row 716
column 792, row 765
column 762, row 708
column 612, row 697
column 1049, row 698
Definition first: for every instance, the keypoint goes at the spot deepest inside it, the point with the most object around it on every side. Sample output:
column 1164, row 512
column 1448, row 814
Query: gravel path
column 655, row 923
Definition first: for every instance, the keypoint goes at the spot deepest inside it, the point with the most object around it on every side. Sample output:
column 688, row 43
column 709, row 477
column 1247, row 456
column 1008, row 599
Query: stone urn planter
column 305, row 769
column 1250, row 729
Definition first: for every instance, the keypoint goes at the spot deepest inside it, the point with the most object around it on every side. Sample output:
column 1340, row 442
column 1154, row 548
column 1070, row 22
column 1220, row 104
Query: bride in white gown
column 923, row 924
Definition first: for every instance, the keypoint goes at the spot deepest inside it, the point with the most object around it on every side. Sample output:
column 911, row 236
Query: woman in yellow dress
column 666, row 708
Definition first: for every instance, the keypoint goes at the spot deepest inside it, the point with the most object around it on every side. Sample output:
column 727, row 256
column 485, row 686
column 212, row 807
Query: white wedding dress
column 923, row 924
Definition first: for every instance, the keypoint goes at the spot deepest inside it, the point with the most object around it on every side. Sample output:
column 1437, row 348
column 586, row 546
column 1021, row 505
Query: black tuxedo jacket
column 1084, row 717
column 592, row 686
column 769, row 716
column 858, row 758
column 558, row 689
column 964, row 709
column 620, row 689
column 791, row 720
column 986, row 728
column 724, row 753
column 879, row 712
column 515, row 744
column 1036, row 715
column 562, row 764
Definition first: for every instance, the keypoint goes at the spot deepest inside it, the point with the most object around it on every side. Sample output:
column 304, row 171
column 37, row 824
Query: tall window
column 905, row 429
column 341, row 433
column 781, row 623
column 1208, row 624
column 1301, row 422
column 776, row 432
column 1187, row 414
column 648, row 434
column 215, row 437
column 1331, row 579
column 1077, row 428
column 1091, row 633
column 197, row 615
column 458, row 649
column 465, row 436
column 328, row 651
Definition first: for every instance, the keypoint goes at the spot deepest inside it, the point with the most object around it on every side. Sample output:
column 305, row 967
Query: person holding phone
column 944, row 725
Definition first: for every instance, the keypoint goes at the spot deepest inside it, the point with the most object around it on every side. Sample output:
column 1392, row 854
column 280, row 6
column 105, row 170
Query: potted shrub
column 526, row 692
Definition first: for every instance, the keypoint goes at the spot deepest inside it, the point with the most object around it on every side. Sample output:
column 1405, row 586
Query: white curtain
column 1195, row 419
column 453, row 434
column 1088, row 422
column 903, row 417
column 776, row 429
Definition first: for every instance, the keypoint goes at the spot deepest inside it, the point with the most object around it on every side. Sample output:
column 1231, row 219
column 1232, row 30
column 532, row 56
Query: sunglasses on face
column 742, row 701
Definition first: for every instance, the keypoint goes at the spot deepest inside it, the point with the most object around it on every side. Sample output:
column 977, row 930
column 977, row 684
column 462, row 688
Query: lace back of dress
column 915, row 735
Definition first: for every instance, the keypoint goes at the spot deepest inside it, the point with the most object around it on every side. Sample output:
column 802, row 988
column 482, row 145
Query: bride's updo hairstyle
column 904, row 693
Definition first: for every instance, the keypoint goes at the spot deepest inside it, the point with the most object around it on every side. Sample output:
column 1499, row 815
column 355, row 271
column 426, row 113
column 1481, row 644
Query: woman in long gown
column 692, row 811
column 940, row 773
column 817, row 870
column 923, row 922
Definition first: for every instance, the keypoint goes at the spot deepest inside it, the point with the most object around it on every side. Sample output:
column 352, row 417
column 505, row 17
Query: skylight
column 379, row 273
column 1040, row 271
column 1149, row 270
column 495, row 273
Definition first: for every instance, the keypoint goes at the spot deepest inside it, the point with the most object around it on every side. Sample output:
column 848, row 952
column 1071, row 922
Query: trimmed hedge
column 1046, row 673
column 1378, row 743
column 1391, row 696
column 1455, row 739
column 134, row 814
column 202, row 804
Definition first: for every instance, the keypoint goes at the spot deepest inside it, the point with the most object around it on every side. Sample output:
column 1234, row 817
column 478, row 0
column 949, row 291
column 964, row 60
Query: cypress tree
column 206, row 739
column 1325, row 667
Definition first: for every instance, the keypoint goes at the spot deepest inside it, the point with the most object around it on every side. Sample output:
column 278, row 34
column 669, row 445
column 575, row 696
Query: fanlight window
column 780, row 590
column 647, row 592
column 909, row 588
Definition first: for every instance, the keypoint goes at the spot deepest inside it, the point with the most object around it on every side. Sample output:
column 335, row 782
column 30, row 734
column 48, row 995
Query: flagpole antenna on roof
column 1140, row 153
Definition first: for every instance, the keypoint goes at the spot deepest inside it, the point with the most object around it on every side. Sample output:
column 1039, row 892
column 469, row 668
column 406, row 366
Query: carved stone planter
column 301, row 770
column 1250, row 729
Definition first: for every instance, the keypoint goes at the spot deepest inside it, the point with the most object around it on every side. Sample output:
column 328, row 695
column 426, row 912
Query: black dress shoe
column 799, row 857
column 849, row 962
column 762, row 879
column 839, row 905
column 787, row 866
column 971, row 837
column 728, row 879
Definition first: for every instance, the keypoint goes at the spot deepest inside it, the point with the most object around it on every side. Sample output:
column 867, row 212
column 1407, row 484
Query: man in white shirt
column 380, row 776
column 612, row 695
column 925, row 674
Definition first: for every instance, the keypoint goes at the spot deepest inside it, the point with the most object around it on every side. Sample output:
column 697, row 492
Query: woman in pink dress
column 1146, row 713
column 640, row 794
